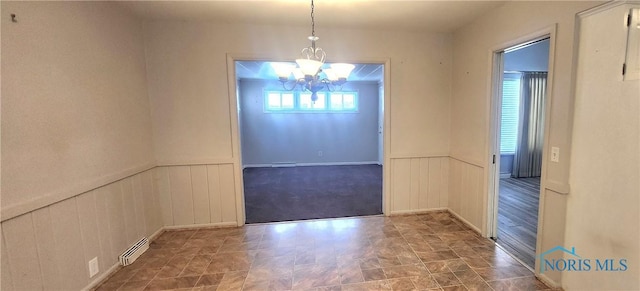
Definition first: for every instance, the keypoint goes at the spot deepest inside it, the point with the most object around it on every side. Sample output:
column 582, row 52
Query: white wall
column 271, row 137
column 471, row 101
column 76, row 143
column 603, row 209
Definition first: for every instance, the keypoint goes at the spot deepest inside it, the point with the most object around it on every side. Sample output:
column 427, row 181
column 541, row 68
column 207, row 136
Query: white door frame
column 235, row 129
column 497, row 64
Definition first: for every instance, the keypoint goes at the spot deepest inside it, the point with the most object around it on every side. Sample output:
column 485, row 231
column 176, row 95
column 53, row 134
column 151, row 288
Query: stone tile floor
column 432, row 251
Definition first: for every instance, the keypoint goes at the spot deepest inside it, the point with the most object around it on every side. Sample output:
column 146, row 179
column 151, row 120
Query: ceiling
column 426, row 16
column 433, row 16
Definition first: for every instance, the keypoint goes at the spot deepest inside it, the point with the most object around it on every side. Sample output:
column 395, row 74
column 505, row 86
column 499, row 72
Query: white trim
column 282, row 165
column 417, row 211
column 194, row 162
column 476, row 229
column 418, row 155
column 102, row 278
column 603, row 7
column 109, row 272
column 505, row 175
column 24, row 207
column 469, row 161
column 204, row 225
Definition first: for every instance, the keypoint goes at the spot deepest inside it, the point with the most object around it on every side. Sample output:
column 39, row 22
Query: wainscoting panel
column 419, row 184
column 465, row 192
column 197, row 194
column 49, row 248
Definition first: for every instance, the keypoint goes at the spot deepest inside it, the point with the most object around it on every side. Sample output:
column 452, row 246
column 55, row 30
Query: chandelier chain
column 313, row 23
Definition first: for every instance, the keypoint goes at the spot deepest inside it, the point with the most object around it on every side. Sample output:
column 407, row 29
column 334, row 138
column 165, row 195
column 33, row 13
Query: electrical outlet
column 320, row 153
column 555, row 154
column 93, row 267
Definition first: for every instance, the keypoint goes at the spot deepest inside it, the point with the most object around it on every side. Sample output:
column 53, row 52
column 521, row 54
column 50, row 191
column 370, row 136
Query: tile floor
column 432, row 251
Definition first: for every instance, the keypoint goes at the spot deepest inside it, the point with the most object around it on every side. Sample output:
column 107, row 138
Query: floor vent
column 131, row 254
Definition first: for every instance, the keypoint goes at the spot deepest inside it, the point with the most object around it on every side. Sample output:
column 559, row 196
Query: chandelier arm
column 293, row 85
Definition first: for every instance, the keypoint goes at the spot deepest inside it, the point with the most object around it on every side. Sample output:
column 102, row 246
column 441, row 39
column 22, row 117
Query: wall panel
column 466, row 188
column 198, row 194
column 22, row 253
column 46, row 248
column 50, row 247
column 416, row 184
column 181, row 195
column 199, row 181
column 68, row 245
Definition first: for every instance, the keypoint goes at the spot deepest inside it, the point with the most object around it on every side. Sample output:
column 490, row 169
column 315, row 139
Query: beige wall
column 188, row 87
column 603, row 210
column 76, row 143
column 189, row 95
column 470, row 102
column 75, row 111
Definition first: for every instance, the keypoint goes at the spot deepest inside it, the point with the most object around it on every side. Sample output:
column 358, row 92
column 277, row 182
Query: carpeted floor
column 297, row 193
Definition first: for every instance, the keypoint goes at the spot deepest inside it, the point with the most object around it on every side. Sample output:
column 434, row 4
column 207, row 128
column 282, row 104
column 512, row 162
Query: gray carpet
column 298, row 193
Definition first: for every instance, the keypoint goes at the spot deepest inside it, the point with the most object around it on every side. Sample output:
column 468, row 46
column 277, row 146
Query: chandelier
column 309, row 72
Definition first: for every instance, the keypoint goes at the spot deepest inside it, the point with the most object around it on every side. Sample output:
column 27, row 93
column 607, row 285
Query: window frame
column 297, row 102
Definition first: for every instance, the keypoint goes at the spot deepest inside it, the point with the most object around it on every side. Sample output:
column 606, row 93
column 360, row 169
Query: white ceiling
column 435, row 16
column 427, row 16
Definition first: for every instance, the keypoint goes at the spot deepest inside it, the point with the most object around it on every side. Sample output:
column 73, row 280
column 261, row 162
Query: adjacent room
column 521, row 143
column 304, row 158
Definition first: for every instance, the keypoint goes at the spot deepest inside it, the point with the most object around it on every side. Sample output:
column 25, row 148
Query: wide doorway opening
column 520, row 130
column 310, row 159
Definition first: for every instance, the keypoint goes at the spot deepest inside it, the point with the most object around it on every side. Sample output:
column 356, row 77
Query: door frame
column 493, row 142
column 236, row 149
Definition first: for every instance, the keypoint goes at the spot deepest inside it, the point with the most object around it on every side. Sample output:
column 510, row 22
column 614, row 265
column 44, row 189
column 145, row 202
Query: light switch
column 555, row 154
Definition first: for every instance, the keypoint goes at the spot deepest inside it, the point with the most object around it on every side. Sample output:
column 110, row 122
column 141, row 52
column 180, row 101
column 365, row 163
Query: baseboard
column 113, row 269
column 203, row 225
column 548, row 281
column 476, row 229
column 310, row 164
column 416, row 211
column 98, row 280
column 505, row 175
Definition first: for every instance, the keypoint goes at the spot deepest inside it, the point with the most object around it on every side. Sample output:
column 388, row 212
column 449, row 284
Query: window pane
column 336, row 101
column 510, row 115
column 287, row 100
column 273, row 101
column 305, row 101
column 348, row 101
column 320, row 103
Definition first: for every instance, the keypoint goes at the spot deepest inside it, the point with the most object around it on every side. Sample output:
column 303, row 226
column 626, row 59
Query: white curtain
column 527, row 161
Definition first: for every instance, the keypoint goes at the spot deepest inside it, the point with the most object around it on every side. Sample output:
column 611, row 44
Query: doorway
column 520, row 103
column 304, row 159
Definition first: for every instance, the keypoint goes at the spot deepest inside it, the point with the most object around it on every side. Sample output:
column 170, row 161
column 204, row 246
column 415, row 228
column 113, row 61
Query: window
column 297, row 102
column 343, row 102
column 307, row 104
column 279, row 101
column 510, row 113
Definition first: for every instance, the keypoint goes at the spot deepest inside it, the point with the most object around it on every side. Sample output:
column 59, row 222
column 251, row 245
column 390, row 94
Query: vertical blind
column 510, row 112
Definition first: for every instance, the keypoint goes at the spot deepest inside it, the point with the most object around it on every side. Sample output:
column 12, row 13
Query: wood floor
column 518, row 217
